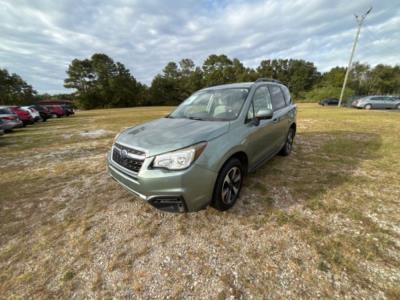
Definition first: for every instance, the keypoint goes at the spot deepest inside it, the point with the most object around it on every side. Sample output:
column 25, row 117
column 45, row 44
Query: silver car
column 377, row 102
column 9, row 119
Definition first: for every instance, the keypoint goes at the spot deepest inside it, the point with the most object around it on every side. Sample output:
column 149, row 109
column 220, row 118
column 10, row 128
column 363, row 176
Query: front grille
column 123, row 156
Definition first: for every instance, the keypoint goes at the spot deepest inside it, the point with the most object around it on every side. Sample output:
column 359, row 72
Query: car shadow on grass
column 320, row 162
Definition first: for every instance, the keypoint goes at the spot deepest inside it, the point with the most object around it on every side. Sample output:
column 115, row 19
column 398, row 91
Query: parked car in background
column 43, row 111
column 199, row 154
column 33, row 112
column 377, row 102
column 1, row 127
column 56, row 110
column 23, row 115
column 68, row 109
column 329, row 101
column 10, row 120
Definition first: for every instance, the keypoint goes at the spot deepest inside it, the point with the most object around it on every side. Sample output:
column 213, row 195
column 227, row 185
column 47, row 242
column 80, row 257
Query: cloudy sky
column 39, row 38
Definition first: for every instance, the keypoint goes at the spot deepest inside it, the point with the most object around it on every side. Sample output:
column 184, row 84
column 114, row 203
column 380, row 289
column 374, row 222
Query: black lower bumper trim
column 169, row 203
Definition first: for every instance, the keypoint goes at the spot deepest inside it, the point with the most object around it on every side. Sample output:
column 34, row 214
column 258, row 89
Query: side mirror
column 264, row 114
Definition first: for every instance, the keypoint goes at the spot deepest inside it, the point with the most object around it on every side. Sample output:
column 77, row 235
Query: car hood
column 166, row 134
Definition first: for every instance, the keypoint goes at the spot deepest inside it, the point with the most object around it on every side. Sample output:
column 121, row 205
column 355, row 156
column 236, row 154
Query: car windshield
column 212, row 105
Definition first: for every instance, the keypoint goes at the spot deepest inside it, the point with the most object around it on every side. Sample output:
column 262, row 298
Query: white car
column 33, row 112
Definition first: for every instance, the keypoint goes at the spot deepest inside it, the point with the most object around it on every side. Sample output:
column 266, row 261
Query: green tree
column 101, row 82
column 175, row 83
column 298, row 75
column 385, row 79
column 360, row 78
column 334, row 77
column 14, row 90
column 218, row 69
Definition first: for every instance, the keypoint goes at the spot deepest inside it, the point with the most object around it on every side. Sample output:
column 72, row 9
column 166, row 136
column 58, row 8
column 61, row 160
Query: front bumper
column 11, row 125
column 357, row 104
column 180, row 191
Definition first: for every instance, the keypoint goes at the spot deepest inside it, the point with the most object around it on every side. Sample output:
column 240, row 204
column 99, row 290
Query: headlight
column 180, row 159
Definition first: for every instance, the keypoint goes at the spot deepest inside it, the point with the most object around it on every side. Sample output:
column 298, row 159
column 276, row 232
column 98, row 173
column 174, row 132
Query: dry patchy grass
column 321, row 223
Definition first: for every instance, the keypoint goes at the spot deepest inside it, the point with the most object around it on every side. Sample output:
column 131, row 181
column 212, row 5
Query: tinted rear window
column 278, row 101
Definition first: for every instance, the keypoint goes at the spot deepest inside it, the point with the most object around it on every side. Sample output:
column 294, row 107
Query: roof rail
column 268, row 80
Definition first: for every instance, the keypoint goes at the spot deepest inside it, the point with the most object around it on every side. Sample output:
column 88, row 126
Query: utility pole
column 360, row 21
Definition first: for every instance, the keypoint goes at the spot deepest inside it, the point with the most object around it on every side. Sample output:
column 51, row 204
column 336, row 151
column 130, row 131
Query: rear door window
column 278, row 101
column 286, row 94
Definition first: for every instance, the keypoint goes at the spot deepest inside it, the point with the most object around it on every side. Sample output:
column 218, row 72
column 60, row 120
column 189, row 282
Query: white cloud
column 39, row 38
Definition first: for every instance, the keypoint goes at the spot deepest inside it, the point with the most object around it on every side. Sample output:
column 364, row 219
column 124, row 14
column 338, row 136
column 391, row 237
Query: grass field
column 321, row 223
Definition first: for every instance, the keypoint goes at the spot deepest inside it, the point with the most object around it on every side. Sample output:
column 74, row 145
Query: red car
column 23, row 115
column 56, row 110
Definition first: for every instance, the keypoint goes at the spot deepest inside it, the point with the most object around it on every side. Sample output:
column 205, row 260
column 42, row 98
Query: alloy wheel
column 231, row 185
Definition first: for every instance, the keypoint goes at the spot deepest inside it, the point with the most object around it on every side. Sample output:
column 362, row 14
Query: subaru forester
column 198, row 155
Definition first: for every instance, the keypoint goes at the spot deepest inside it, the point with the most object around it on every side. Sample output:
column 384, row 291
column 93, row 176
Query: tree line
column 14, row 90
column 101, row 82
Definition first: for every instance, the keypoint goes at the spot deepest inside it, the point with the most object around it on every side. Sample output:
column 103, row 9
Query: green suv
column 199, row 154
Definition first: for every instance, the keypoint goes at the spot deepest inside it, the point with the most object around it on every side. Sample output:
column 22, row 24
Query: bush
column 319, row 93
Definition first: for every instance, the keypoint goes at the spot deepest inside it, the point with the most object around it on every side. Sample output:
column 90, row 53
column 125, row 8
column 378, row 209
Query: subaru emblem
column 124, row 154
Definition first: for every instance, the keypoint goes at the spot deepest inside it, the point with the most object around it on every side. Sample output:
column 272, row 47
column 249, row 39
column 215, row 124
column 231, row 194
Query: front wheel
column 368, row 106
column 287, row 148
column 228, row 185
column 398, row 106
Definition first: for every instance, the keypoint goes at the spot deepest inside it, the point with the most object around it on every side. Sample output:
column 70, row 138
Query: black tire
column 287, row 148
column 368, row 106
column 228, row 185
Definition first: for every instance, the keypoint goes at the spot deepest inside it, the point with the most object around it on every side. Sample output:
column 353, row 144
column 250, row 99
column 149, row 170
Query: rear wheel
column 368, row 106
column 287, row 148
column 228, row 185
